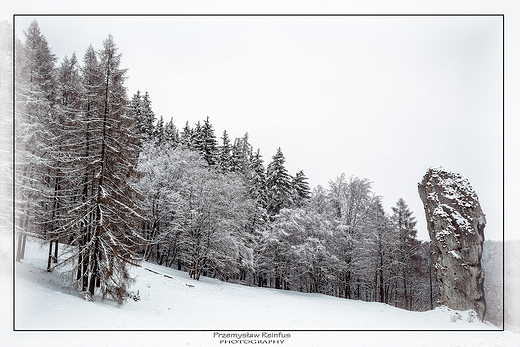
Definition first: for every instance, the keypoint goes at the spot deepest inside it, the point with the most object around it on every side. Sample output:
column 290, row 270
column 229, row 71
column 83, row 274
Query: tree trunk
column 381, row 286
column 347, row 285
column 49, row 257
column 406, row 298
column 431, row 284
column 94, row 274
column 55, row 258
column 19, row 248
column 24, row 239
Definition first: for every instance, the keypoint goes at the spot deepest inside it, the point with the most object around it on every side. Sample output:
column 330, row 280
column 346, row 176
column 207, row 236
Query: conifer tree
column 407, row 247
column 209, row 143
column 197, row 138
column 158, row 131
column 68, row 105
column 147, row 123
column 171, row 134
column 136, row 108
column 108, row 215
column 225, row 153
column 115, row 238
column 35, row 101
column 141, row 109
column 83, row 171
column 278, row 183
column 258, row 192
column 240, row 156
column 381, row 235
column 257, row 180
column 187, row 136
column 300, row 187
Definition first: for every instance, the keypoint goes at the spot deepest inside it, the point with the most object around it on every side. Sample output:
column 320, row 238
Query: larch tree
column 34, row 116
column 108, row 214
column 116, row 239
column 64, row 127
column 84, row 170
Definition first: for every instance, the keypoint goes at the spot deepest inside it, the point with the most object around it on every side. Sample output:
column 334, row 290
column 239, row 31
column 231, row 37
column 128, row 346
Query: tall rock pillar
column 456, row 226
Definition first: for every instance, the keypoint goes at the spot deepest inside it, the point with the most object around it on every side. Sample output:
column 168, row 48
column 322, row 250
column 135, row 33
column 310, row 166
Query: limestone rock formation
column 456, row 226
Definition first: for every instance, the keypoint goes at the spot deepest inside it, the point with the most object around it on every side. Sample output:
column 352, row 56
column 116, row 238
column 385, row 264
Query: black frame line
column 262, row 15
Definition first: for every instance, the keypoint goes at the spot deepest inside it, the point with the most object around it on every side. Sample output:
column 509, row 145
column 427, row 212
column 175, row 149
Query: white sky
column 382, row 98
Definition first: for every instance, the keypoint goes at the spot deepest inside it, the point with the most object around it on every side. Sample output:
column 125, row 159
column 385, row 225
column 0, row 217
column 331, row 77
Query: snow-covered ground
column 170, row 300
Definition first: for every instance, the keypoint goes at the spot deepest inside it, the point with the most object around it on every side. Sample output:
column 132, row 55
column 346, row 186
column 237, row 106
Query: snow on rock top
column 454, row 188
column 456, row 224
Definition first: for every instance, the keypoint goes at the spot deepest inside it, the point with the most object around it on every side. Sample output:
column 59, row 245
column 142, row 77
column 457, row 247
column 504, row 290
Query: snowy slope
column 170, row 300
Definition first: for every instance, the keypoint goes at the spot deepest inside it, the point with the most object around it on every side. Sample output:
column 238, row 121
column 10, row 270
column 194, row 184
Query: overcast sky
column 382, row 98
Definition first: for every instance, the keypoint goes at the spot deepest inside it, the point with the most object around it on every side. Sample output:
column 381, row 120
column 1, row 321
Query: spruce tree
column 136, row 109
column 300, row 187
column 407, row 246
column 197, row 138
column 141, row 110
column 209, row 143
column 257, row 180
column 224, row 158
column 258, row 193
column 240, row 156
column 187, row 136
column 147, row 123
column 278, row 183
column 171, row 134
column 158, row 132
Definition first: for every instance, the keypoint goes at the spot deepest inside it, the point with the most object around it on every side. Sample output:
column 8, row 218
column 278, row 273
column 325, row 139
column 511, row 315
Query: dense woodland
column 98, row 170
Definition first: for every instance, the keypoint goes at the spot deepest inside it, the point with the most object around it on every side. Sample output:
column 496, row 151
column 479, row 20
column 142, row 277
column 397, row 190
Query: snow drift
column 170, row 300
